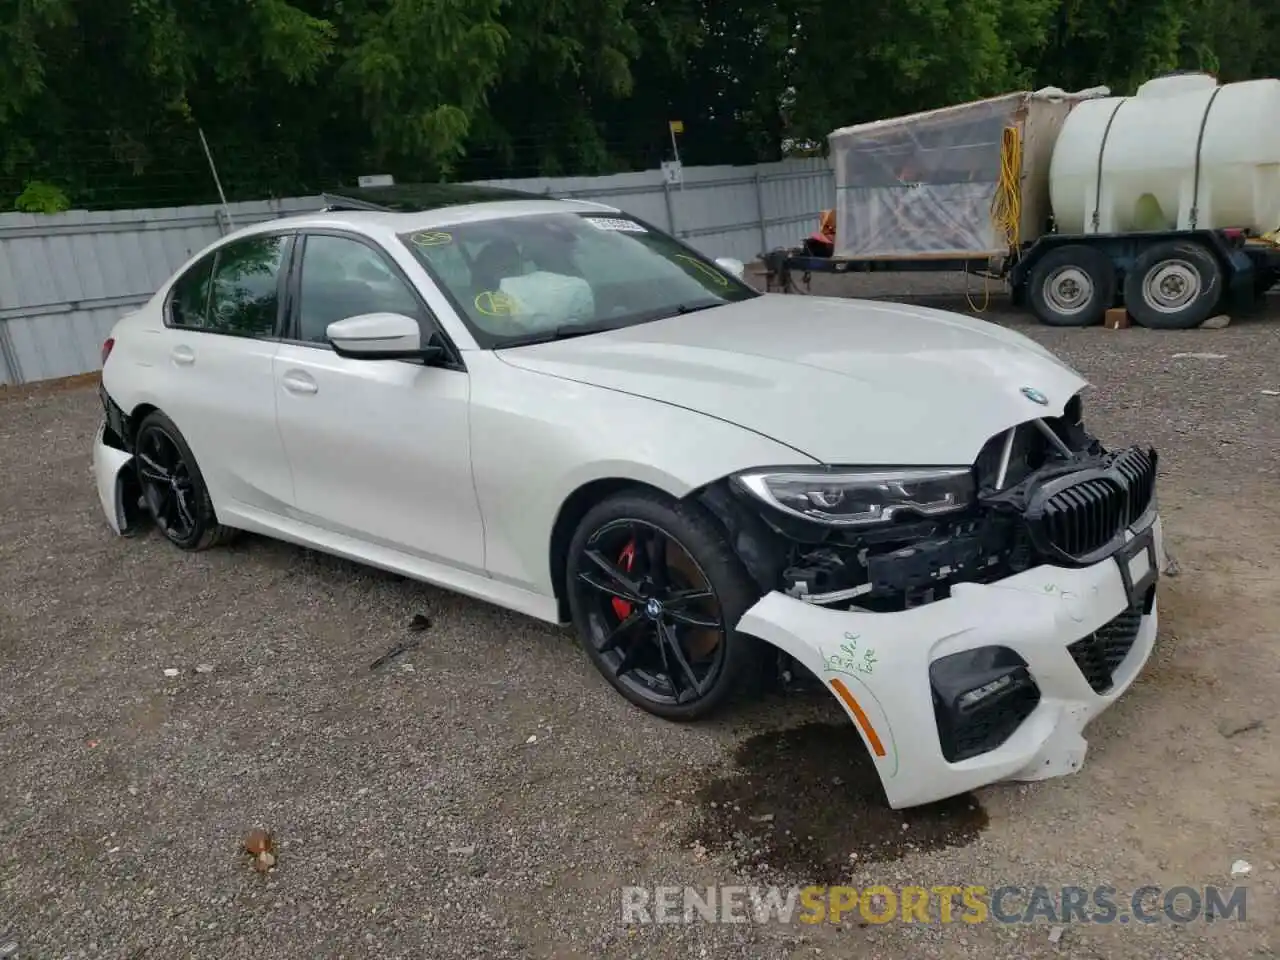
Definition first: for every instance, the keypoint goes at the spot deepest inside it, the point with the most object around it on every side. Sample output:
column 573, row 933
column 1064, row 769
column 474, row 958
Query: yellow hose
column 1006, row 205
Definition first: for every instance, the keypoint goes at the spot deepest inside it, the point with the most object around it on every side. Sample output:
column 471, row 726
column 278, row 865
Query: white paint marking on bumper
column 108, row 462
column 882, row 661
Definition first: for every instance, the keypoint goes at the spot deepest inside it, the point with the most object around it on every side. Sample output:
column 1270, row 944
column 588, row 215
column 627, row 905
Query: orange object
column 827, row 224
column 1117, row 318
column 859, row 714
column 259, row 842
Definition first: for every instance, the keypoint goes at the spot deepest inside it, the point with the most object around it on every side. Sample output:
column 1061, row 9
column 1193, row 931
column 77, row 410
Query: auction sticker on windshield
column 609, row 223
column 433, row 238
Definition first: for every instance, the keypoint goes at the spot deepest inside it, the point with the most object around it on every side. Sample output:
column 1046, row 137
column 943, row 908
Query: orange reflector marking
column 858, row 714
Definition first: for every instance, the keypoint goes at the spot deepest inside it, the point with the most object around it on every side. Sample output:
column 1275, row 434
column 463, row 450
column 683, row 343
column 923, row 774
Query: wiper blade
column 684, row 308
column 566, row 331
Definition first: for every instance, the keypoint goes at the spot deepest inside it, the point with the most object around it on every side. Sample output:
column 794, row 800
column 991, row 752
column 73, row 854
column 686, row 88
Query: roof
column 346, row 211
column 420, row 197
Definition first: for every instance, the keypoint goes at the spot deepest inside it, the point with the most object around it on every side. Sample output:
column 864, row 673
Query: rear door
column 223, row 321
column 380, row 449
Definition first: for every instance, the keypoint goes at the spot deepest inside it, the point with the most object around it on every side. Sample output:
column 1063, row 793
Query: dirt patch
column 805, row 805
column 22, row 391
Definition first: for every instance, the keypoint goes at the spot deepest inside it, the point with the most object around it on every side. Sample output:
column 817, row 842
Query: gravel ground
column 486, row 794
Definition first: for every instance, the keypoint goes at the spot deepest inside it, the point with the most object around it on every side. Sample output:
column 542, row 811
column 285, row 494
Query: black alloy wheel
column 655, row 592
column 173, row 488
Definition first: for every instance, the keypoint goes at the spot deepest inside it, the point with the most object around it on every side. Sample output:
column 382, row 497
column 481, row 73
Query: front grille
column 1138, row 468
column 1101, row 652
column 980, row 731
column 1083, row 516
column 1086, row 517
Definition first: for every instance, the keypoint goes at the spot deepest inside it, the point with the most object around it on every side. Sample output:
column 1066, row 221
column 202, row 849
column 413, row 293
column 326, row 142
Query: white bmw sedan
column 554, row 407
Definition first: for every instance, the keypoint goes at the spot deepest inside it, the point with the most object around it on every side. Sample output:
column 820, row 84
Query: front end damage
column 117, row 481
column 972, row 648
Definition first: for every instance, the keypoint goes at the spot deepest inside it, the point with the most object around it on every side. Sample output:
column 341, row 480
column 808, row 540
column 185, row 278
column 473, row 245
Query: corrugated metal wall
column 65, row 278
column 723, row 211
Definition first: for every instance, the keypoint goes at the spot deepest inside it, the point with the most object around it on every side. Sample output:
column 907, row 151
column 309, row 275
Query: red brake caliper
column 626, row 560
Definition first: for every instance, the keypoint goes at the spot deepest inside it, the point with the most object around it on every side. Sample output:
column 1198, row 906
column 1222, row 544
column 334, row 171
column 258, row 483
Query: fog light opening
column 980, row 697
column 972, row 698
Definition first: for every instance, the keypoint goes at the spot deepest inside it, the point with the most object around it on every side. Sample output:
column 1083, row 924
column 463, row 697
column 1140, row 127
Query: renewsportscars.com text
column 940, row 904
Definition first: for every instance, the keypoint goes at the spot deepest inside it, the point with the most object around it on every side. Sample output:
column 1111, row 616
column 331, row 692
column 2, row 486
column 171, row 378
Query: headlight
column 858, row 498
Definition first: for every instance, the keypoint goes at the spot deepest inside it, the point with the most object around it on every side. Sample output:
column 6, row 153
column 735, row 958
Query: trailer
column 978, row 188
column 1070, row 280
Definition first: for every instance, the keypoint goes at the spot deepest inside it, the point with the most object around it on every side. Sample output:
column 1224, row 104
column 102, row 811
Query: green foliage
column 40, row 197
column 105, row 96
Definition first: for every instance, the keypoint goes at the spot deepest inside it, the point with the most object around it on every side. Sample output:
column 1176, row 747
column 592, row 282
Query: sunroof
column 417, row 197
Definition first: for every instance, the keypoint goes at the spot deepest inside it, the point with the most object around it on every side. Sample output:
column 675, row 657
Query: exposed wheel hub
column 1068, row 290
column 1171, row 286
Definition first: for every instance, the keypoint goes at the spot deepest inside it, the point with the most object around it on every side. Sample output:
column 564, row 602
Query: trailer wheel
column 1173, row 286
column 1072, row 286
column 1264, row 278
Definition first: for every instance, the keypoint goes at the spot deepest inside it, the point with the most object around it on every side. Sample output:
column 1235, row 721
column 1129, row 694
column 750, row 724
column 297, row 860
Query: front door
column 379, row 449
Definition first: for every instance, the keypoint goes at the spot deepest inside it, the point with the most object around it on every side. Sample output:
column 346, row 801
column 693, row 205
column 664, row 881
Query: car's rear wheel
column 655, row 591
column 173, row 487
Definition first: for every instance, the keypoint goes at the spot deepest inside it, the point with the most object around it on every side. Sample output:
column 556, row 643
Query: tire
column 1173, row 286
column 710, row 664
column 1072, row 286
column 1264, row 279
column 183, row 512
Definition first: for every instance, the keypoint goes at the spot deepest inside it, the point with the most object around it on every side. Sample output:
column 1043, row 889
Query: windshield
column 528, row 279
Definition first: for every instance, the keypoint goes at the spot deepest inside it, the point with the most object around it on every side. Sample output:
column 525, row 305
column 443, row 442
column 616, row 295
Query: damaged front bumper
column 995, row 682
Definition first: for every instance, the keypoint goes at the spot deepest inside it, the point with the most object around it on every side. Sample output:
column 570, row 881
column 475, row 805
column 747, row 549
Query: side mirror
column 380, row 336
column 732, row 265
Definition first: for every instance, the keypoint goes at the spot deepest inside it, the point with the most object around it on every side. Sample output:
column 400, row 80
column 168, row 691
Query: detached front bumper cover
column 1050, row 639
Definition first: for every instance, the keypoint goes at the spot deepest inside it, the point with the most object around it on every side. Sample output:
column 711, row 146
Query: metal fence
column 66, row 278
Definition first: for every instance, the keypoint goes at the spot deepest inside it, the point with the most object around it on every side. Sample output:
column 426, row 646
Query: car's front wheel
column 173, row 487
column 655, row 591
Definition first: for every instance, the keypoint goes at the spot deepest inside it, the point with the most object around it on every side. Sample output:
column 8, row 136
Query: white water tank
column 1142, row 151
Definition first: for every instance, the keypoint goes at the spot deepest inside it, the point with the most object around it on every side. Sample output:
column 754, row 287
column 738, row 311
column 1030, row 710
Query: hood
column 849, row 382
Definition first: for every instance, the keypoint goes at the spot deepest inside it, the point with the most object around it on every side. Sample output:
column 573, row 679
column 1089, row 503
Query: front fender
column 536, row 439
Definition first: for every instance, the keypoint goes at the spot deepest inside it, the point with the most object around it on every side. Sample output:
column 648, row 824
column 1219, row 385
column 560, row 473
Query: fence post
column 671, row 214
column 9, row 372
column 764, row 230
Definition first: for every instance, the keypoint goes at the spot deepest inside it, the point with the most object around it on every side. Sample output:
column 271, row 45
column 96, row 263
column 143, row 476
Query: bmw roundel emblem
column 1035, row 396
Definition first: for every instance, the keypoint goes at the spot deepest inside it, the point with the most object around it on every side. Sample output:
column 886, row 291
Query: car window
column 189, row 302
column 245, row 297
column 600, row 262
column 344, row 278
column 530, row 276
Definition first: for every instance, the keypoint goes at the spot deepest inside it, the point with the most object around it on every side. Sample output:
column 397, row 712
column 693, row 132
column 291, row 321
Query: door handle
column 183, row 356
column 295, row 381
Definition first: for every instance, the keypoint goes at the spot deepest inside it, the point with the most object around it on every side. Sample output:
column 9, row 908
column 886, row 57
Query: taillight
column 106, row 349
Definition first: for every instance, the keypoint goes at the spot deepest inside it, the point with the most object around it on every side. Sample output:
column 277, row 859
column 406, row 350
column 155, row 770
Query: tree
column 102, row 99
